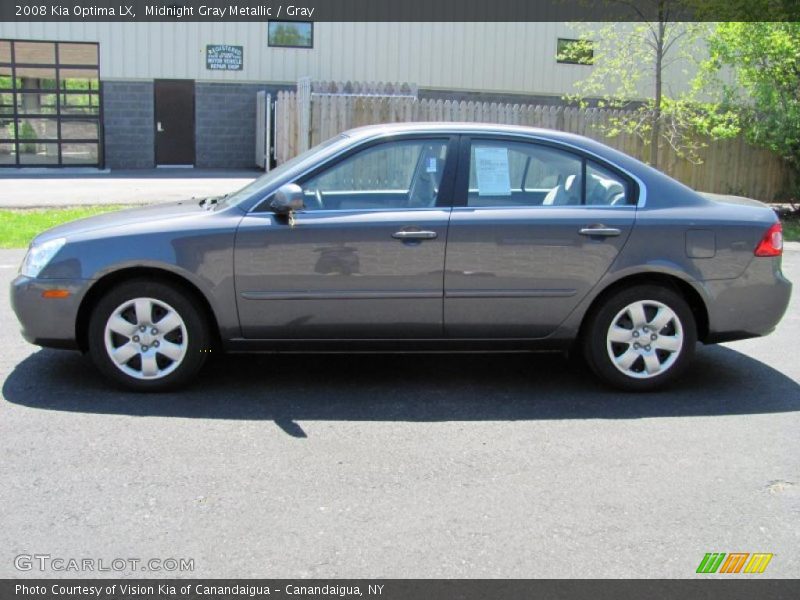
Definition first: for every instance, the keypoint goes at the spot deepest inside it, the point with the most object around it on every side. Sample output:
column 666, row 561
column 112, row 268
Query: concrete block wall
column 128, row 124
column 225, row 124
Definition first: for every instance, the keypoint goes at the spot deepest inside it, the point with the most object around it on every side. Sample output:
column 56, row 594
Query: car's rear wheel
column 148, row 336
column 640, row 338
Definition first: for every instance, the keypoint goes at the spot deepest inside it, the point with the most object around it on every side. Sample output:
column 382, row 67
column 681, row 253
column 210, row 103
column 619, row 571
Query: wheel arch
column 685, row 289
column 109, row 280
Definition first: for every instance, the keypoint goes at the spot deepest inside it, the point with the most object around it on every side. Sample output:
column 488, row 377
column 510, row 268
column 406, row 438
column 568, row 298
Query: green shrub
column 27, row 132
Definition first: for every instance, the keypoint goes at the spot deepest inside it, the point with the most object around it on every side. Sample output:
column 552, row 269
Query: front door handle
column 599, row 230
column 414, row 235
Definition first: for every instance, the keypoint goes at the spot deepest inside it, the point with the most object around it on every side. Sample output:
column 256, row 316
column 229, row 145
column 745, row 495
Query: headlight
column 39, row 255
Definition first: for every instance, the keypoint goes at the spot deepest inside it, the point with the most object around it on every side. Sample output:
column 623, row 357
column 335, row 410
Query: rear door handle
column 600, row 231
column 414, row 235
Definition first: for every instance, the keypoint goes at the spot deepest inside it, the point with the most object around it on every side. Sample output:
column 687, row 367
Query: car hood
column 123, row 218
column 730, row 199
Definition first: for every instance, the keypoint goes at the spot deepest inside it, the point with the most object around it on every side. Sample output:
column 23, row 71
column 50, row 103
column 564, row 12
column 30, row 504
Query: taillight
column 772, row 242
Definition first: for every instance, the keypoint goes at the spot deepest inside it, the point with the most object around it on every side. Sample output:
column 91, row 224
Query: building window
column 575, row 52
column 49, row 104
column 290, row 34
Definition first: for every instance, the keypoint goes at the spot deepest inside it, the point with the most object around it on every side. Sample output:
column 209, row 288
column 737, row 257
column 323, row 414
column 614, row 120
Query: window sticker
column 431, row 165
column 491, row 166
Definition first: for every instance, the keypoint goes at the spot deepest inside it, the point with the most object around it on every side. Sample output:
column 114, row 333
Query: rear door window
column 507, row 173
column 606, row 188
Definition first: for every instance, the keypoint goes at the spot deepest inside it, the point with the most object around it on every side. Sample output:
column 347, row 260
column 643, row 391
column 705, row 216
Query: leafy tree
column 630, row 61
column 753, row 70
column 288, row 35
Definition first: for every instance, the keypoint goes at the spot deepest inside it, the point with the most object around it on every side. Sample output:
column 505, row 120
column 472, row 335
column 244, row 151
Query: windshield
column 266, row 180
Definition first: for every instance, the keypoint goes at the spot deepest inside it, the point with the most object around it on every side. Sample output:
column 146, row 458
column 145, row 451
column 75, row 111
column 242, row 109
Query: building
column 137, row 95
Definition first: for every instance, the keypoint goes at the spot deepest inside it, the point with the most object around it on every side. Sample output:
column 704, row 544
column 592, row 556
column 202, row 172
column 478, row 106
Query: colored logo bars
column 713, row 562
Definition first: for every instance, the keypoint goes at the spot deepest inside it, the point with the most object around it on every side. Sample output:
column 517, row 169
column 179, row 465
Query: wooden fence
column 726, row 166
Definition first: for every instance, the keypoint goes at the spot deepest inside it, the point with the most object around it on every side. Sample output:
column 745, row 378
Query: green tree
column 27, row 132
column 629, row 65
column 753, row 75
column 288, row 35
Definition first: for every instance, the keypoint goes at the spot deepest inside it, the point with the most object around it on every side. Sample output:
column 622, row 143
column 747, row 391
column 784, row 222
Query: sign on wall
column 221, row 57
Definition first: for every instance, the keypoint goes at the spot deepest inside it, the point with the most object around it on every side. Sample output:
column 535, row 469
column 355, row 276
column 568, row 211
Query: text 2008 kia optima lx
column 413, row 238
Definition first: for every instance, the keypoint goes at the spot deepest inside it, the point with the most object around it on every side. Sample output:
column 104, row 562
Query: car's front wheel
column 148, row 336
column 640, row 338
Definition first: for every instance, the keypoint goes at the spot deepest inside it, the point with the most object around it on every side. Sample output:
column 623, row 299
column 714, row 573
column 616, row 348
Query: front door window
column 391, row 175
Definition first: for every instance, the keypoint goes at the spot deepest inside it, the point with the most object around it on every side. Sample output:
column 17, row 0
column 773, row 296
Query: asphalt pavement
column 402, row 466
column 57, row 188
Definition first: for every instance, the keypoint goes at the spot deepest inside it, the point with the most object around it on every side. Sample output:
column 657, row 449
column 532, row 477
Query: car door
column 527, row 239
column 364, row 259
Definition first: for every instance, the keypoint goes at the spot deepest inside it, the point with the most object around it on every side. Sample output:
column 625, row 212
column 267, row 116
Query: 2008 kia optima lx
column 414, row 238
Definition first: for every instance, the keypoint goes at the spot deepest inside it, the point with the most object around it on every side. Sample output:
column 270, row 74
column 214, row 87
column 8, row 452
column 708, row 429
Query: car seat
column 567, row 194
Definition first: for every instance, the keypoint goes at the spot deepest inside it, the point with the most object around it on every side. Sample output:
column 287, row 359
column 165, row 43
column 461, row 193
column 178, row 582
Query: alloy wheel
column 645, row 339
column 146, row 338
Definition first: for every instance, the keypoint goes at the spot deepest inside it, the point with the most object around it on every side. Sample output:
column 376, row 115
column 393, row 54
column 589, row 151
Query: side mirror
column 288, row 199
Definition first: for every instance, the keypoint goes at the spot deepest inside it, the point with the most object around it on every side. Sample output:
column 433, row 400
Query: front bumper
column 48, row 321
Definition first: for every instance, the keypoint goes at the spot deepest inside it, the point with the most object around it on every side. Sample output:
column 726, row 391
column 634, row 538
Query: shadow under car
column 286, row 388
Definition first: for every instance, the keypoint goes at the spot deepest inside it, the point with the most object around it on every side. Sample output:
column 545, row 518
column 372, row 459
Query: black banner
column 734, row 588
column 399, row 10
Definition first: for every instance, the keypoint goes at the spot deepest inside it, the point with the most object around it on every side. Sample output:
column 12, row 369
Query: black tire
column 194, row 321
column 595, row 338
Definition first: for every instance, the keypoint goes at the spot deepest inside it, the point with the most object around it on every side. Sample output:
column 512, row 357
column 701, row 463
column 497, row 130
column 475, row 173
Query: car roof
column 454, row 127
column 368, row 131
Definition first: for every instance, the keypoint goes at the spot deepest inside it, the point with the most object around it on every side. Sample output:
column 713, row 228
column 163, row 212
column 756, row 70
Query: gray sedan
column 422, row 237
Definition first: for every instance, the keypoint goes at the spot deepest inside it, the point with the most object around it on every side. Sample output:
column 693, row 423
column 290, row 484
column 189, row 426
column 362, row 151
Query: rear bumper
column 749, row 306
column 48, row 321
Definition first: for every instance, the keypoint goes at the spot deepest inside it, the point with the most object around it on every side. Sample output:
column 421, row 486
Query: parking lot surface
column 403, row 465
column 54, row 188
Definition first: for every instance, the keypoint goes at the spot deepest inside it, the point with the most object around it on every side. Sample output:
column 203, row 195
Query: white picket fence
column 306, row 118
column 263, row 130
